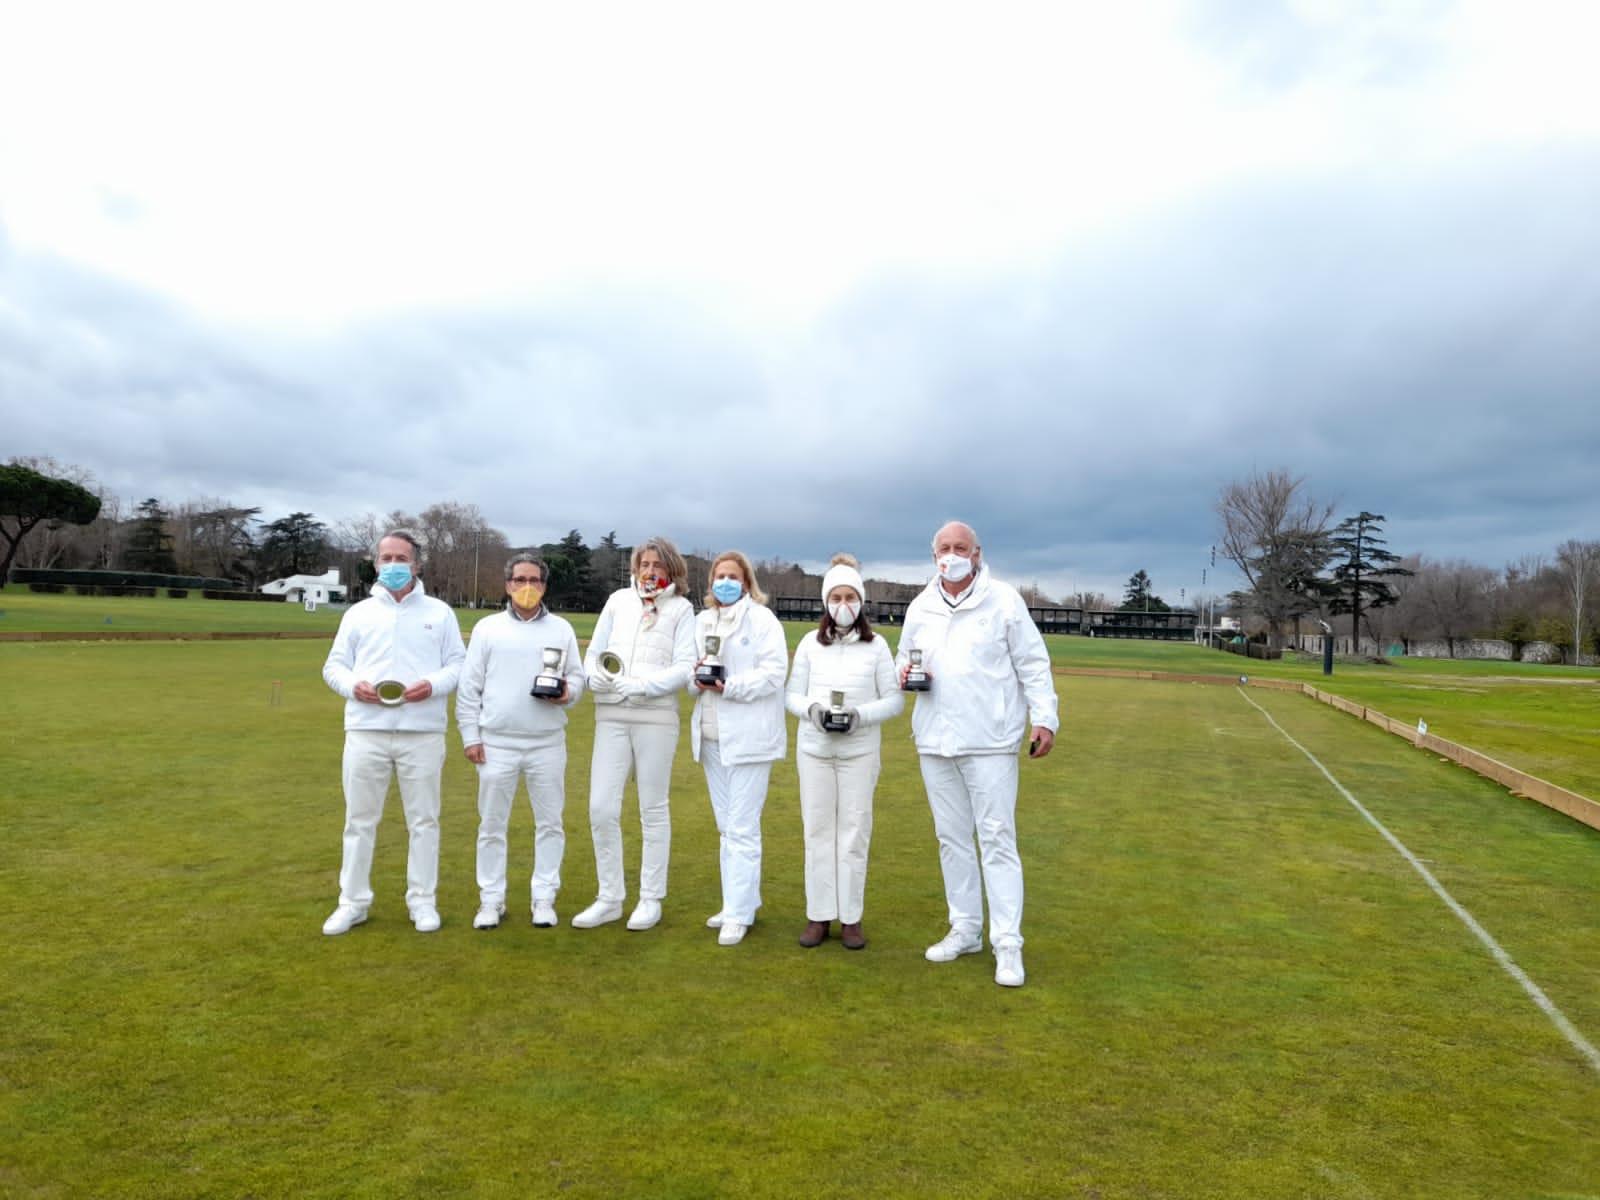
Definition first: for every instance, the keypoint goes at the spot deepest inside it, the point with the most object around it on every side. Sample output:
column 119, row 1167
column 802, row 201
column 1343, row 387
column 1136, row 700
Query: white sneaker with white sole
column 601, row 912
column 953, row 945
column 426, row 918
column 732, row 933
column 343, row 919
column 1008, row 970
column 646, row 916
column 544, row 914
column 489, row 916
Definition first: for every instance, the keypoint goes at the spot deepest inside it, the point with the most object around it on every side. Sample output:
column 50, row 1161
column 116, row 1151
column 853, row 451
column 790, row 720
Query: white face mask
column 844, row 614
column 954, row 568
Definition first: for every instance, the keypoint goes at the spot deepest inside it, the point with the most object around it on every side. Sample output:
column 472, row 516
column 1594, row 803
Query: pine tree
column 1359, row 580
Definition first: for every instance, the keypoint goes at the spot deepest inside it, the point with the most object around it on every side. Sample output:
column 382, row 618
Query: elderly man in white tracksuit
column 738, row 730
column 842, row 658
column 509, row 734
column 396, row 657
column 990, row 679
column 646, row 635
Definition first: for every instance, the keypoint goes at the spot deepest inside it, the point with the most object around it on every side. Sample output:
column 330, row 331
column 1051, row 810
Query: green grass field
column 1235, row 986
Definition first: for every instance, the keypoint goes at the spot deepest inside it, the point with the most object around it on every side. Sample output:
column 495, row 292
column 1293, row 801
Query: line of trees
column 1297, row 563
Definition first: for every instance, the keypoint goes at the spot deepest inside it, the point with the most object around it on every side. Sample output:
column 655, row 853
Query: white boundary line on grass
column 1558, row 1018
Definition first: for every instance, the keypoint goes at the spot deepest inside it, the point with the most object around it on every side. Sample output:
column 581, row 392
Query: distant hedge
column 89, row 589
column 211, row 594
column 100, row 579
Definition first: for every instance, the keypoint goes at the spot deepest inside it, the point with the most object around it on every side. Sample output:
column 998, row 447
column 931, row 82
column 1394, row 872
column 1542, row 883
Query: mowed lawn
column 1235, row 986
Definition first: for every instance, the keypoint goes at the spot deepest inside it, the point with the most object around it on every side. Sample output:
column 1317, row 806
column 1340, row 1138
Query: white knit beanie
column 843, row 574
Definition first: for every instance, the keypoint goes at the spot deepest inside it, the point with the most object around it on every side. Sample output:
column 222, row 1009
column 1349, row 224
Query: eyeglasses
column 525, row 580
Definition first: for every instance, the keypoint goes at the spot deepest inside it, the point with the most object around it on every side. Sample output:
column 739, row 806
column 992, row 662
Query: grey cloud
column 1417, row 345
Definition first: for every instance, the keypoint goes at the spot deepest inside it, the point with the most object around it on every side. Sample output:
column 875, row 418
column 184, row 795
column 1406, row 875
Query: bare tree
column 1455, row 597
column 1578, row 562
column 1277, row 535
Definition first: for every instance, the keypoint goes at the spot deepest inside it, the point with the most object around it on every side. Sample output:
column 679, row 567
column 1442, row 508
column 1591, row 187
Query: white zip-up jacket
column 410, row 640
column 493, row 704
column 864, row 672
column 750, row 722
column 989, row 668
column 662, row 657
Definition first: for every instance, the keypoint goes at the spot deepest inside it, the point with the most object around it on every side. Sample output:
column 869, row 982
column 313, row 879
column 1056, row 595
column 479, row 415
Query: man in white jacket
column 510, row 734
column 401, row 642
column 990, row 679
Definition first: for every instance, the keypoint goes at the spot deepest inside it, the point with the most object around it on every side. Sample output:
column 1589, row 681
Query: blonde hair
column 745, row 567
column 677, row 569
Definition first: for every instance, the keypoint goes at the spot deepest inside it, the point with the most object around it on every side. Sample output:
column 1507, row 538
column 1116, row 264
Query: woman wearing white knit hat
column 639, row 660
column 842, row 687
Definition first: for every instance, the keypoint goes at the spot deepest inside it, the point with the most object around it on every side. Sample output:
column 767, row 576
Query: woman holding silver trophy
column 738, row 730
column 639, row 659
column 843, row 687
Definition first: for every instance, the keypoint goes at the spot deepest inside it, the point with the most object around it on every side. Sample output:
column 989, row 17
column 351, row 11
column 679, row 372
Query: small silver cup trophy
column 611, row 662
column 548, row 683
column 916, row 676
column 711, row 669
column 836, row 719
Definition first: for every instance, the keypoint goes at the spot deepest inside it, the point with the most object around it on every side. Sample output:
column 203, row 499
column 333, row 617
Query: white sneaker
column 714, row 921
column 646, row 916
column 1008, row 970
column 544, row 914
column 343, row 919
column 488, row 916
column 732, row 933
column 426, row 918
column 953, row 945
column 601, row 912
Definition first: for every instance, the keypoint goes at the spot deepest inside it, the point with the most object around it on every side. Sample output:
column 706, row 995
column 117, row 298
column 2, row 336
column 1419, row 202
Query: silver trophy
column 836, row 719
column 611, row 662
column 391, row 692
column 548, row 683
column 711, row 669
column 916, row 676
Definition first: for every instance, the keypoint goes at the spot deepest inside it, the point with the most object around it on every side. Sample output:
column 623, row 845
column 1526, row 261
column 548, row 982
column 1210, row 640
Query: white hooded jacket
column 661, row 658
column 990, row 671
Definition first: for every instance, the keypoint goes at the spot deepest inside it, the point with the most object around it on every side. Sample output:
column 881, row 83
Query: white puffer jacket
column 864, row 672
column 661, row 657
column 749, row 714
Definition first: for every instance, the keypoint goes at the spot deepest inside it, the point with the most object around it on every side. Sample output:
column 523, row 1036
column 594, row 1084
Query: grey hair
column 533, row 560
column 405, row 535
column 977, row 542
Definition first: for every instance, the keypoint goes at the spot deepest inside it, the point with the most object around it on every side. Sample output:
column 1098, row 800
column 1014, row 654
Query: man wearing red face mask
column 990, row 681
column 646, row 634
column 511, row 734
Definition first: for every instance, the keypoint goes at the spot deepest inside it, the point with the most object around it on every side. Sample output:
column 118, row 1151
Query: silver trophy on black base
column 836, row 719
column 548, row 683
column 711, row 669
column 916, row 676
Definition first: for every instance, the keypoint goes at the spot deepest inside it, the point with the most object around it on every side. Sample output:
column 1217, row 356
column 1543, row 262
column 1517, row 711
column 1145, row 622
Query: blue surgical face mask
column 727, row 591
column 395, row 575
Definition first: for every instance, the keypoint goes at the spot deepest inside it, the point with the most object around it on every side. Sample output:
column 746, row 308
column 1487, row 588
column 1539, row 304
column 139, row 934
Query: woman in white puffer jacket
column 646, row 634
column 841, row 659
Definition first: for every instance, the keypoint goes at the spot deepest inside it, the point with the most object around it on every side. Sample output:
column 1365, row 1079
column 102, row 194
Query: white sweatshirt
column 506, row 652
column 864, row 672
column 989, row 669
column 410, row 640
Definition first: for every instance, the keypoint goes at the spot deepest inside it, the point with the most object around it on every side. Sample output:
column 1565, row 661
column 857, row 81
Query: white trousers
column 978, row 794
column 836, row 812
column 545, row 769
column 370, row 758
column 622, row 748
column 737, row 796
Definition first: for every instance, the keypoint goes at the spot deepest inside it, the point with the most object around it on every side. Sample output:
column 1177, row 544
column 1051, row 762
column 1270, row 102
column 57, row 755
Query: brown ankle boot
column 852, row 937
column 816, row 933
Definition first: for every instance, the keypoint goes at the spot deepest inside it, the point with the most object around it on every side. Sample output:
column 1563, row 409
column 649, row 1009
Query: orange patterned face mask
column 527, row 597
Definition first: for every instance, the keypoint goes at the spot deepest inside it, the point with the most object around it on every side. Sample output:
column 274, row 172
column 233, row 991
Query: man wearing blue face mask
column 989, row 680
column 404, row 637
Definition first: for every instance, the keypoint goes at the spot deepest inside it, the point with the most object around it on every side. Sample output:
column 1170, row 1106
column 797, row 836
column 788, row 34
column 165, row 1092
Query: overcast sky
column 806, row 278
